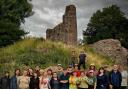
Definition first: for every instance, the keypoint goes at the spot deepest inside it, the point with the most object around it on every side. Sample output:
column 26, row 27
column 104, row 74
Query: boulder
column 113, row 49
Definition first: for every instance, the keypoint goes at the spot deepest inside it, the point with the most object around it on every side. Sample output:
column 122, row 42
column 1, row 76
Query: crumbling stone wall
column 67, row 30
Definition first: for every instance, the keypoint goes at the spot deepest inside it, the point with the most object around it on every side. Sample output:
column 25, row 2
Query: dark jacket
column 34, row 83
column 82, row 57
column 5, row 83
column 115, row 78
column 102, row 82
column 55, row 84
column 13, row 83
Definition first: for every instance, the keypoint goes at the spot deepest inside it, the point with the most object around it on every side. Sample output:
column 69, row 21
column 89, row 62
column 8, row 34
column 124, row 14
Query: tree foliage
column 15, row 10
column 12, row 14
column 107, row 23
column 9, row 33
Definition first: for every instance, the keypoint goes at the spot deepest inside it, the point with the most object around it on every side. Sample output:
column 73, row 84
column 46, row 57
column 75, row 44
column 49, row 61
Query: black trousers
column 81, row 63
column 115, row 87
column 90, row 87
column 82, row 88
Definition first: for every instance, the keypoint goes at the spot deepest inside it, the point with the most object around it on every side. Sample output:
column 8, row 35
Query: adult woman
column 54, row 82
column 102, row 79
column 34, row 81
column 73, row 81
column 24, row 80
column 49, row 73
column 44, row 81
column 92, row 67
column 91, row 80
column 30, row 72
column 83, row 81
column 124, row 73
column 77, row 70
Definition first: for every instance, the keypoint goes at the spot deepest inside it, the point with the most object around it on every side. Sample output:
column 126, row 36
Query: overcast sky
column 48, row 13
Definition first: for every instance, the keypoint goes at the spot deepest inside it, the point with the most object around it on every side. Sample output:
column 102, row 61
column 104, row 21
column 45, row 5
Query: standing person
column 82, row 59
column 124, row 74
column 106, row 70
column 77, row 70
column 92, row 67
column 64, row 80
column 115, row 78
column 92, row 80
column 44, row 81
column 70, row 70
column 30, row 72
column 107, row 73
column 59, row 70
column 102, row 79
column 34, row 81
column 83, row 81
column 37, row 70
column 24, row 80
column 73, row 59
column 49, row 73
column 14, row 80
column 5, row 81
column 73, row 80
column 55, row 82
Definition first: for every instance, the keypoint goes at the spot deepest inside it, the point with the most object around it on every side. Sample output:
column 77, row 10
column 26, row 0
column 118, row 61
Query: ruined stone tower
column 67, row 30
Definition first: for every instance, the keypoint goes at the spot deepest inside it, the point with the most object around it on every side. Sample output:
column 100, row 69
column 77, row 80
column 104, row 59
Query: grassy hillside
column 35, row 51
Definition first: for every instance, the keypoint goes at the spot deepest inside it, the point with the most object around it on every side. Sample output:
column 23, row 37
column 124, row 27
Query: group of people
column 69, row 78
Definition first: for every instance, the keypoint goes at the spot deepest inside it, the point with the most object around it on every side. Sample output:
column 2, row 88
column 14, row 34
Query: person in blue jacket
column 14, row 83
column 115, row 78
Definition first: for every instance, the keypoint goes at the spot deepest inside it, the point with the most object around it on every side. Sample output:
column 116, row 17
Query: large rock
column 113, row 49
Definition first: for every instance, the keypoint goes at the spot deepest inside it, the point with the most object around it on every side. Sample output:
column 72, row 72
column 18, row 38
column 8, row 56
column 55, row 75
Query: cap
column 59, row 65
column 92, row 64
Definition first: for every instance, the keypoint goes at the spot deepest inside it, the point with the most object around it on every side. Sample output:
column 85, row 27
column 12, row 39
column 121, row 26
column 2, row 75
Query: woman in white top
column 124, row 74
column 44, row 81
column 24, row 80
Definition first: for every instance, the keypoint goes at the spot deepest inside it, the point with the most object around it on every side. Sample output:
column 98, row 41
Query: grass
column 35, row 51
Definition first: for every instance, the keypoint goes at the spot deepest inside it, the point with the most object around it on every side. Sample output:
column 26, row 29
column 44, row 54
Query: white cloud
column 48, row 13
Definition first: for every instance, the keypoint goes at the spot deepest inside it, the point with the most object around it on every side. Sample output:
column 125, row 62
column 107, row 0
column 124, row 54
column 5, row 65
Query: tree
column 15, row 10
column 12, row 14
column 107, row 23
column 10, row 33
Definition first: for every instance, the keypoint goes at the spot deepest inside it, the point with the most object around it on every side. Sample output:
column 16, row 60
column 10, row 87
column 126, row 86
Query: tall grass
column 33, row 51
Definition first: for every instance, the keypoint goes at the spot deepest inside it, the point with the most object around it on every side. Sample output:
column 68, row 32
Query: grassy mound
column 33, row 51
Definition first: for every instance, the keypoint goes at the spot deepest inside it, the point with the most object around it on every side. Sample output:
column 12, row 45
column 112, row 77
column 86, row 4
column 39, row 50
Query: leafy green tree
column 15, row 10
column 12, row 14
column 10, row 33
column 107, row 23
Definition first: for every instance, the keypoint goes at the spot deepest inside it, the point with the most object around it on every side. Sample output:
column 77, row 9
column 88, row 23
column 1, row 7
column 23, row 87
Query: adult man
column 115, row 78
column 64, row 80
column 5, row 81
column 14, row 82
column 82, row 59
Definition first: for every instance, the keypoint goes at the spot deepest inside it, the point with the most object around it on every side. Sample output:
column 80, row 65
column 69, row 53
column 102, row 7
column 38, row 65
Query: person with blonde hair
column 83, row 81
column 24, row 80
column 73, row 80
column 44, row 81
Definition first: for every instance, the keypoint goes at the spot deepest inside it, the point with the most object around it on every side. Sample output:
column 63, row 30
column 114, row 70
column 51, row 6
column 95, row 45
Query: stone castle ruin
column 66, row 31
